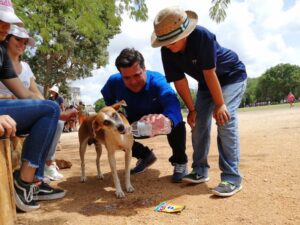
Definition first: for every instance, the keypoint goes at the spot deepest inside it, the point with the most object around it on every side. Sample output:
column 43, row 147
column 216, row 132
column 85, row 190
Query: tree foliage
column 73, row 36
column 217, row 11
column 99, row 104
column 250, row 93
column 277, row 82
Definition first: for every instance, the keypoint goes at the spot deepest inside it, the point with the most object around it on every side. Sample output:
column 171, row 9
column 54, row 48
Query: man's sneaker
column 24, row 194
column 226, row 189
column 193, row 177
column 45, row 192
column 143, row 164
column 52, row 173
column 180, row 170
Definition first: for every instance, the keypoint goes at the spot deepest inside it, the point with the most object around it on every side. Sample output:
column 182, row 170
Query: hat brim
column 192, row 24
column 53, row 90
column 9, row 17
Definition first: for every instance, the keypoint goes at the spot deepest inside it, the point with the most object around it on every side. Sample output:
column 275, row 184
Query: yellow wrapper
column 168, row 207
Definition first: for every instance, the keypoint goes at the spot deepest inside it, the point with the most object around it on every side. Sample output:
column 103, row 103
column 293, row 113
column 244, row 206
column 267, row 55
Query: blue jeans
column 228, row 135
column 52, row 150
column 39, row 119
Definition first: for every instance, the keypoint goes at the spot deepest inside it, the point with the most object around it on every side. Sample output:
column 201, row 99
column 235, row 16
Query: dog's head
column 109, row 119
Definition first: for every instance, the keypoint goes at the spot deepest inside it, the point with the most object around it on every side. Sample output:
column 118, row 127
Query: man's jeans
column 228, row 135
column 52, row 150
column 39, row 119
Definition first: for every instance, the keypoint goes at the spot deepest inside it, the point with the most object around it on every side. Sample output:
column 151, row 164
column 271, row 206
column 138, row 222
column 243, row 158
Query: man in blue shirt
column 147, row 94
column 193, row 50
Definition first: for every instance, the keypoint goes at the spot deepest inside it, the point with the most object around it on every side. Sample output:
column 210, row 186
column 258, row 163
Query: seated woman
column 16, row 42
column 31, row 117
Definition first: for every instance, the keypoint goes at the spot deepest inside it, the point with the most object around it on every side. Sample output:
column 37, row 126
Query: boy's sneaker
column 46, row 192
column 52, row 173
column 194, row 178
column 24, row 194
column 143, row 164
column 226, row 189
column 180, row 170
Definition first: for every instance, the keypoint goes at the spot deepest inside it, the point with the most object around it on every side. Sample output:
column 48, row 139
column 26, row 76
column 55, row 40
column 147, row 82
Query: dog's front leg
column 98, row 148
column 112, row 163
column 129, row 187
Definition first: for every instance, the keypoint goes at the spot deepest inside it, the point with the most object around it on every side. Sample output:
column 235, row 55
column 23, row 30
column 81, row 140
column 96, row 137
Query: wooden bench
column 7, row 198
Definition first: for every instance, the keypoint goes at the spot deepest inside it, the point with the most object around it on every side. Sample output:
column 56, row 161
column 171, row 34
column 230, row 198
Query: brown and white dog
column 110, row 128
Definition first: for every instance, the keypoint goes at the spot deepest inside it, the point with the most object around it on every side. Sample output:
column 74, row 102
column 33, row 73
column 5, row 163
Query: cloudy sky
column 263, row 33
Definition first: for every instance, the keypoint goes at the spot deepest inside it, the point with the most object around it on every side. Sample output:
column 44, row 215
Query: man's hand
column 154, row 118
column 160, row 123
column 221, row 115
column 7, row 126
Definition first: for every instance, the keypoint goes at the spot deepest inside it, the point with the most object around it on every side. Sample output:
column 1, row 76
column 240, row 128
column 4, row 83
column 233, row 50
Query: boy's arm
column 183, row 90
column 221, row 113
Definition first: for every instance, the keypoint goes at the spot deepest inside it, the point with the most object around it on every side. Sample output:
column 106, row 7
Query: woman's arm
column 34, row 89
column 17, row 88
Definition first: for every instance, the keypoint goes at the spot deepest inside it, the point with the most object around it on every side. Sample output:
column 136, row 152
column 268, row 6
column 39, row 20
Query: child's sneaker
column 46, row 192
column 180, row 170
column 24, row 194
column 52, row 173
column 194, row 178
column 226, row 189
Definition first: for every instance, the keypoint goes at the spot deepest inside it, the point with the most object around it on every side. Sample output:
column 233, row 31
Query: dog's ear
column 117, row 105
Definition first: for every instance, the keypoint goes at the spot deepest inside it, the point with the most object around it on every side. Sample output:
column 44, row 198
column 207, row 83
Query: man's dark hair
column 128, row 57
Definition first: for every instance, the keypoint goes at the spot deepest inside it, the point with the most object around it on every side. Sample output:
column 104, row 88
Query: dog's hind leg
column 98, row 148
column 82, row 149
column 112, row 163
column 129, row 187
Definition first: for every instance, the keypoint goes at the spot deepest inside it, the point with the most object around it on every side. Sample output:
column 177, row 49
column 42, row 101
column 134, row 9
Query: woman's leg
column 38, row 118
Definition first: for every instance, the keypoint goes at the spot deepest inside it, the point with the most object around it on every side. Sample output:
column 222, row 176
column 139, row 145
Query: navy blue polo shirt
column 203, row 52
column 157, row 97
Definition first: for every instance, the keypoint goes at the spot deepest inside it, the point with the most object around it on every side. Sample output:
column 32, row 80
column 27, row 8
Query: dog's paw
column 100, row 177
column 120, row 194
column 83, row 179
column 130, row 189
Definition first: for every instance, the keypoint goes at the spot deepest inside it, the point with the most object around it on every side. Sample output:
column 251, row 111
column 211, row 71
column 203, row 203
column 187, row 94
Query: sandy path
column 270, row 157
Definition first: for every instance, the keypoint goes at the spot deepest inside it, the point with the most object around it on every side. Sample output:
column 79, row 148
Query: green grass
column 267, row 107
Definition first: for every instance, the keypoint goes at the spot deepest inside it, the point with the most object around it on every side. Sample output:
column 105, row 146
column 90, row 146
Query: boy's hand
column 221, row 115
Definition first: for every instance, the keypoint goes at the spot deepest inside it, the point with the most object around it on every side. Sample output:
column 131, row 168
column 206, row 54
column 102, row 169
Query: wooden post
column 7, row 198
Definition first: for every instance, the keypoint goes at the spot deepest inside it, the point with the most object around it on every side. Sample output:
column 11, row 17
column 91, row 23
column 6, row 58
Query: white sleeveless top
column 25, row 77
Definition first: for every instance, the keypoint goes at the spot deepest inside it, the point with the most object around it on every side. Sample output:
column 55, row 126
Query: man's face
column 4, row 28
column 134, row 77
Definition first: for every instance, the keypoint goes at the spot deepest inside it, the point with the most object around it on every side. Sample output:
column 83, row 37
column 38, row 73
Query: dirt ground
column 270, row 156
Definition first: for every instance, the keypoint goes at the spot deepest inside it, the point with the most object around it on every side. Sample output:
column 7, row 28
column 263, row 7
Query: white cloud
column 263, row 33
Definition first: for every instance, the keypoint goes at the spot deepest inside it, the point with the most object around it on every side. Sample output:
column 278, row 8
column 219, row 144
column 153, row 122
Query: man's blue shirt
column 157, row 97
column 203, row 52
